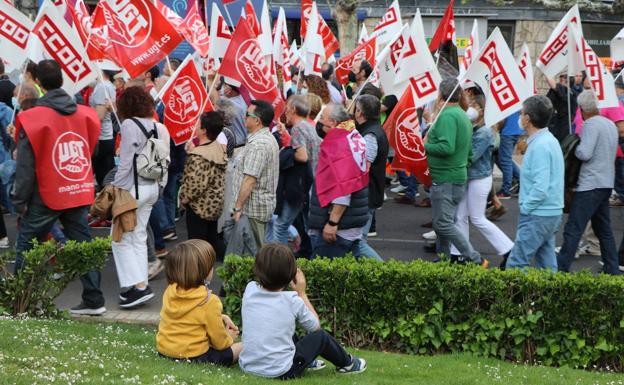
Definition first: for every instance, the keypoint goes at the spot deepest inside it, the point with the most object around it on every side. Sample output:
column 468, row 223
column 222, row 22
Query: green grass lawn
column 68, row 352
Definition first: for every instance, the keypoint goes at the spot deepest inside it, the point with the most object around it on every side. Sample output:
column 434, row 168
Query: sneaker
column 515, row 188
column 494, row 213
column 404, row 200
column 502, row 195
column 372, row 234
column 4, row 243
column 398, row 189
column 395, row 181
column 430, row 236
column 124, row 294
column 589, row 250
column 577, row 255
column 616, row 201
column 358, row 365
column 161, row 253
column 155, row 268
column 100, row 224
column 170, row 235
column 316, row 365
column 83, row 309
column 136, row 297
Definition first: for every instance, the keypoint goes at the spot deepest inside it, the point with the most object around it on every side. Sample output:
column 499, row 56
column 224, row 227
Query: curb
column 129, row 317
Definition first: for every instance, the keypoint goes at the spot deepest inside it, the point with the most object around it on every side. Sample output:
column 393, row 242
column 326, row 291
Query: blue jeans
column 589, row 205
column 167, row 211
column 284, row 221
column 619, row 177
column 365, row 249
column 338, row 249
column 154, row 224
column 505, row 159
column 410, row 182
column 535, row 238
column 37, row 223
column 445, row 198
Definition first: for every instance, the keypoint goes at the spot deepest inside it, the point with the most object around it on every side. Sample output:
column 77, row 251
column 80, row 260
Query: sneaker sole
column 137, row 302
column 95, row 312
column 362, row 370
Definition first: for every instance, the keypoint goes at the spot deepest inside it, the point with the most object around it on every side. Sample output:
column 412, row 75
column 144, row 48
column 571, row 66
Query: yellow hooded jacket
column 190, row 323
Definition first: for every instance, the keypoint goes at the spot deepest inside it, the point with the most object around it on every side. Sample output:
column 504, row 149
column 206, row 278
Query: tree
column 346, row 19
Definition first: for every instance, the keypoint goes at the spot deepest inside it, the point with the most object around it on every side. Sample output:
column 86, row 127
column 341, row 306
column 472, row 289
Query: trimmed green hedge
column 420, row 307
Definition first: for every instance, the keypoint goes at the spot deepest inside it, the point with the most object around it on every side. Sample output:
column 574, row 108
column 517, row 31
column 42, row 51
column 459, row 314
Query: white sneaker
column 398, row 189
column 4, row 243
column 589, row 250
column 430, row 236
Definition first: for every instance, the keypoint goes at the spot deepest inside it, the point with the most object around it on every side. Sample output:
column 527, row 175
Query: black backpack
column 572, row 168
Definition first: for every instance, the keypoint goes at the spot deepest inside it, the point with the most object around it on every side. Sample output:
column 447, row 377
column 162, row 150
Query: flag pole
column 228, row 15
column 569, row 105
column 445, row 103
column 19, row 90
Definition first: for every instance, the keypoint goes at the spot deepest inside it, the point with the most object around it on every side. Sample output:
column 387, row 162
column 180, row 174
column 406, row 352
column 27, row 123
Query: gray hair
column 369, row 106
column 539, row 109
column 338, row 113
column 587, row 102
column 28, row 91
column 450, row 90
column 228, row 108
column 300, row 104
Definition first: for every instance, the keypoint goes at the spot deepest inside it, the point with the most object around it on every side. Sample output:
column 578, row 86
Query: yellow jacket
column 190, row 323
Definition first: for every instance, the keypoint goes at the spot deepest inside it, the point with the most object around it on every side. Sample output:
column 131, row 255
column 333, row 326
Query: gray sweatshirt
column 132, row 142
column 599, row 141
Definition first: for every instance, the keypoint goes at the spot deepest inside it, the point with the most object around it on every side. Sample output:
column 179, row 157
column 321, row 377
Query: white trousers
column 131, row 252
column 472, row 207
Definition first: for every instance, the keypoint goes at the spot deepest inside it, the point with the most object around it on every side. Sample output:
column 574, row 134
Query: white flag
column 363, row 35
column 15, row 29
column 526, row 68
column 389, row 25
column 281, row 52
column 498, row 75
column 220, row 34
column 553, row 58
column 417, row 65
column 52, row 38
column 387, row 63
column 617, row 47
column 265, row 39
column 312, row 49
column 473, row 46
column 599, row 77
column 294, row 55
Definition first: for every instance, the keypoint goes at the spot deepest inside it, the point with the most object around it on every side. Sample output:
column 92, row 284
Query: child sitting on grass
column 270, row 315
column 192, row 326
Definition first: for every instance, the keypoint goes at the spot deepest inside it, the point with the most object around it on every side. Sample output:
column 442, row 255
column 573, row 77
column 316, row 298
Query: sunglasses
column 251, row 114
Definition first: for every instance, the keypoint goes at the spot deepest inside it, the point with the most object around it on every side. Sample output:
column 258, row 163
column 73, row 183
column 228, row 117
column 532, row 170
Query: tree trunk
column 346, row 19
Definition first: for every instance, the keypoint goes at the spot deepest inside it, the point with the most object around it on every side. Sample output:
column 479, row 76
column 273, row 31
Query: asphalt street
column 399, row 237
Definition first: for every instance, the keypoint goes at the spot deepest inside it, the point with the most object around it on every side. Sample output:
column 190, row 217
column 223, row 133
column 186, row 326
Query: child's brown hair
column 275, row 266
column 189, row 263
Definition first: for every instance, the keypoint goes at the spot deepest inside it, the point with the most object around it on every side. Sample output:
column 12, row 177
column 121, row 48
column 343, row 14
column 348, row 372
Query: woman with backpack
column 143, row 163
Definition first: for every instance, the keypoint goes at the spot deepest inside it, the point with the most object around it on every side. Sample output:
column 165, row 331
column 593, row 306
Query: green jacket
column 449, row 147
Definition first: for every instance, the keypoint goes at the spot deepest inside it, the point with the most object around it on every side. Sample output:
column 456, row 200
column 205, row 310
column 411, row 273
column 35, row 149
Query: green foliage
column 574, row 320
column 48, row 269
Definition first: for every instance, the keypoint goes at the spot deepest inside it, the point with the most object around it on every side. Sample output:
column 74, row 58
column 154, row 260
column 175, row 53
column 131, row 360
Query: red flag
column 365, row 51
column 195, row 31
column 403, row 130
column 138, row 33
column 306, row 6
column 185, row 98
column 445, row 31
column 342, row 167
column 245, row 63
column 252, row 18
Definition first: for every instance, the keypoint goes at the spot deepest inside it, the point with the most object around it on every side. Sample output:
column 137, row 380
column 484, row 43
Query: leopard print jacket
column 203, row 183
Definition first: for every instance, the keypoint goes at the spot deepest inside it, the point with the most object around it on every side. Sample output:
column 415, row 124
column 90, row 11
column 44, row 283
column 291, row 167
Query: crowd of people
column 305, row 184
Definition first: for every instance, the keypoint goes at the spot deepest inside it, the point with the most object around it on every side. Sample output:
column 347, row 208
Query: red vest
column 63, row 146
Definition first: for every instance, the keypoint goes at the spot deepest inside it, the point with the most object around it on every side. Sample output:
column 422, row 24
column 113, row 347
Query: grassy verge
column 64, row 352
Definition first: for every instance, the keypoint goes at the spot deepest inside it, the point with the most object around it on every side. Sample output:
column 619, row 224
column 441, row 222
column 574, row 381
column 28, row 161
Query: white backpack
column 153, row 160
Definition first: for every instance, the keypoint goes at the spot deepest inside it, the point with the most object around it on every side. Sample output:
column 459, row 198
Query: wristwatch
column 332, row 223
column 236, row 210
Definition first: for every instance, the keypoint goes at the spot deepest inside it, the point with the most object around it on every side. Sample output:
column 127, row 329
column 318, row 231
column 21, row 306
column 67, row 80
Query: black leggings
column 104, row 159
column 199, row 228
column 318, row 343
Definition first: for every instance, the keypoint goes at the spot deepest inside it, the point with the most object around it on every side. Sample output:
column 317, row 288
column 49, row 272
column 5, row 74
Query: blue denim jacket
column 482, row 147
